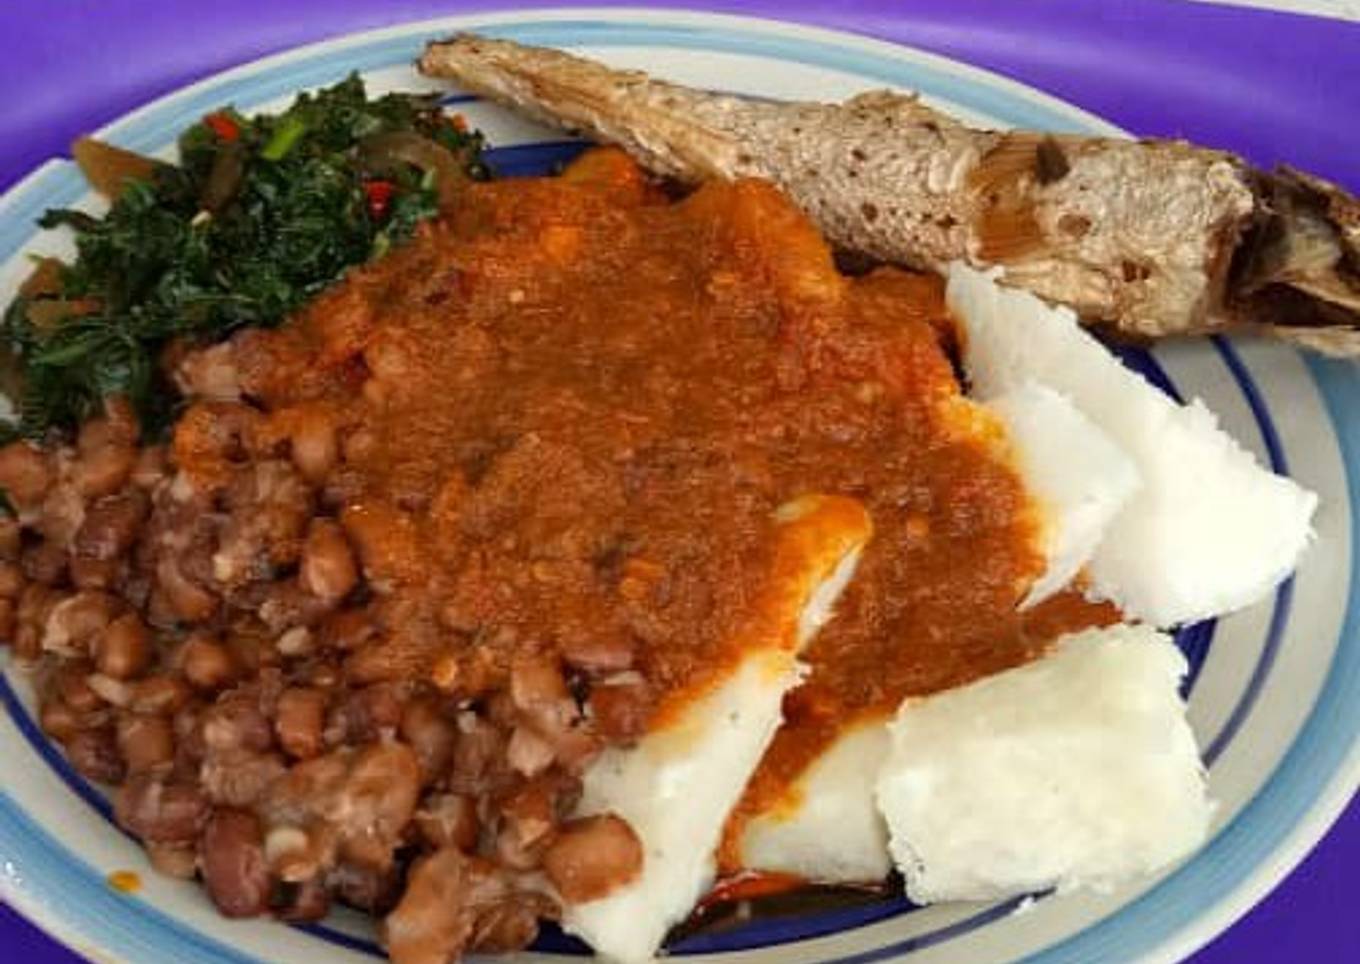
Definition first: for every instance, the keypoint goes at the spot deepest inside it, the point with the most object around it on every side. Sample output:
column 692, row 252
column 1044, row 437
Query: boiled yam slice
column 1078, row 475
column 1210, row 530
column 1076, row 770
column 676, row 786
column 826, row 828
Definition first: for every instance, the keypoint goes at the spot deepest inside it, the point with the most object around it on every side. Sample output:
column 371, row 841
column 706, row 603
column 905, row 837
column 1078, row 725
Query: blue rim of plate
column 1262, row 828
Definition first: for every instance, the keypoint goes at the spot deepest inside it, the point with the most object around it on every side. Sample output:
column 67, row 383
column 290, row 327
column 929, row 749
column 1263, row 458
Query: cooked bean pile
column 176, row 663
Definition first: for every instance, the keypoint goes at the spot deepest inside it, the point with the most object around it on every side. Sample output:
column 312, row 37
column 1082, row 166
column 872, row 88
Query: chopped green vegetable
column 242, row 231
column 285, row 136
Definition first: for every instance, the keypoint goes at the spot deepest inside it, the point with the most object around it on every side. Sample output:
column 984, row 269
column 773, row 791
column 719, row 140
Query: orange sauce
column 569, row 414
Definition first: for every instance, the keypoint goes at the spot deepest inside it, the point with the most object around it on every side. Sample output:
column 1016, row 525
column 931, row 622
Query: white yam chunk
column 1080, row 478
column 829, row 829
column 676, row 786
column 1210, row 530
column 1076, row 770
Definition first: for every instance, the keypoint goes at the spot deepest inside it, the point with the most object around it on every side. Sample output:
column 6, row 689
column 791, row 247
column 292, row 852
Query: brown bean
column 347, row 629
column 366, row 850
column 390, row 658
column 25, row 473
column 60, row 722
column 592, row 857
column 295, row 855
column 304, row 791
column 44, row 562
column 380, row 794
column 432, row 736
column 116, row 425
column 300, row 720
column 146, row 742
column 60, row 515
column 321, row 673
column 123, row 650
column 598, row 652
column 449, row 820
column 296, row 643
column 240, row 778
column 103, row 471
column 539, row 692
column 71, row 684
column 11, row 537
column 286, row 605
column 479, row 763
column 359, row 444
column 620, row 711
column 150, row 467
column 231, row 853
column 370, row 889
column 528, row 819
column 251, row 644
column 328, row 567
column 506, row 926
column 387, row 542
column 315, row 446
column 528, row 753
column 173, row 860
column 160, row 811
column 270, row 507
column 27, row 643
column 535, row 681
column 104, row 574
column 74, row 623
column 209, row 373
column 36, row 602
column 344, row 486
column 115, row 692
column 299, row 902
column 11, row 580
column 190, row 746
column 206, row 663
column 94, row 754
column 111, row 525
column 432, row 923
column 164, row 695
column 188, row 600
column 236, row 722
column 362, row 716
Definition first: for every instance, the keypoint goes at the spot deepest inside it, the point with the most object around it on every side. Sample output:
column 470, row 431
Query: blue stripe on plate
column 124, row 925
column 528, row 160
column 1284, row 596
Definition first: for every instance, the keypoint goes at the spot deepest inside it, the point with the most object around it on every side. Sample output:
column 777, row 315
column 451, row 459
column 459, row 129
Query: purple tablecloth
column 1271, row 86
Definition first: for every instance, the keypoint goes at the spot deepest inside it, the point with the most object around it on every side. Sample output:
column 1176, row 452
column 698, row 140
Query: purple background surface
column 1271, row 86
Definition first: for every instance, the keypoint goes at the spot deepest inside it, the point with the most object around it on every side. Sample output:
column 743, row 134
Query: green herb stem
column 284, row 139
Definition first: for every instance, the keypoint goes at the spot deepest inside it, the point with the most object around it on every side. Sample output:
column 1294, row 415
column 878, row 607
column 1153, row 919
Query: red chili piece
column 223, row 126
column 379, row 194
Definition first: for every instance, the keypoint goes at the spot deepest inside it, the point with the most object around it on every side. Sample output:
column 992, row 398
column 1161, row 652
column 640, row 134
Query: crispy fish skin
column 1154, row 237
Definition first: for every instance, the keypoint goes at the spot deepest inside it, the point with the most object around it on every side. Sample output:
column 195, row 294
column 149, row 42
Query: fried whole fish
column 1152, row 237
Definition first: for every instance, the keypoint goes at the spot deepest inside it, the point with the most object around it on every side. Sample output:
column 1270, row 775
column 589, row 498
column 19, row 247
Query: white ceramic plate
column 1275, row 694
